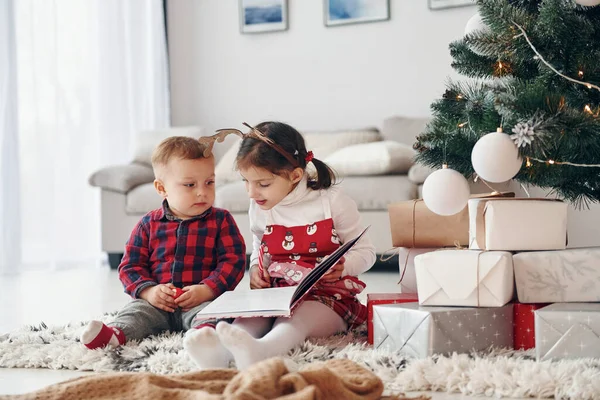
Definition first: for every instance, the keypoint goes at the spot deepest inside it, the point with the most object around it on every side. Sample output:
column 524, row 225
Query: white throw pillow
column 378, row 158
column 322, row 144
column 225, row 171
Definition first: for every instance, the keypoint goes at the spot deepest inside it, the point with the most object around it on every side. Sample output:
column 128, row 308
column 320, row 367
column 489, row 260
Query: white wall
column 310, row 76
column 315, row 77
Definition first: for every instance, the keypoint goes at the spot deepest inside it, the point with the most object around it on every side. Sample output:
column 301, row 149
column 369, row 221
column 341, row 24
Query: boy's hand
column 160, row 296
column 193, row 296
column 258, row 281
column 335, row 273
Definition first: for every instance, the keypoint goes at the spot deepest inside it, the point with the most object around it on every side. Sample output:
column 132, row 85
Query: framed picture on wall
column 441, row 4
column 342, row 12
column 263, row 15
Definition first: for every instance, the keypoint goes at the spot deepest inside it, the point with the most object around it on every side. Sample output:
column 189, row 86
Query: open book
column 273, row 302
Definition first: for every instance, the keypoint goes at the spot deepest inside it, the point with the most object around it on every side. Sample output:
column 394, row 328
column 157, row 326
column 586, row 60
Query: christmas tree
column 533, row 69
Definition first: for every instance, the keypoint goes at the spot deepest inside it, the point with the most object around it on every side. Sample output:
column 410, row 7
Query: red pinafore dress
column 290, row 252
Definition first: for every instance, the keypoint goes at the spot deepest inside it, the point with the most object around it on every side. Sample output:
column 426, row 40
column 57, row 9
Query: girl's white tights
column 249, row 340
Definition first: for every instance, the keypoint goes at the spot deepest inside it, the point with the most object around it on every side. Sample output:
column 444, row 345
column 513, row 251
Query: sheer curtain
column 90, row 74
column 10, row 215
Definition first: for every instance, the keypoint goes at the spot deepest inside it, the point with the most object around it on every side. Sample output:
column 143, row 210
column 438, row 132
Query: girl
column 296, row 221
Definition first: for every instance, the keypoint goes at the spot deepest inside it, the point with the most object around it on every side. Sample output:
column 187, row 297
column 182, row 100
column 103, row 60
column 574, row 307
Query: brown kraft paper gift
column 414, row 225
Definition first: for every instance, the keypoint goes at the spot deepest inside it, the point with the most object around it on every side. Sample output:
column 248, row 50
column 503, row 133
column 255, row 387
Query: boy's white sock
column 205, row 348
column 98, row 335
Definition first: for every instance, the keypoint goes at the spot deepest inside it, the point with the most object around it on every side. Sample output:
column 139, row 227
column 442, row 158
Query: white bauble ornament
column 446, row 192
column 495, row 157
column 475, row 23
column 588, row 3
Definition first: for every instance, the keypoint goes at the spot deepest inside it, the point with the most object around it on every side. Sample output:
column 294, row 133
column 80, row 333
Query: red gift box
column 385, row 298
column 524, row 325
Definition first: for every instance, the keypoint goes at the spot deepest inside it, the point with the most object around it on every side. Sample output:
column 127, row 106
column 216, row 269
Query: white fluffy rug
column 494, row 374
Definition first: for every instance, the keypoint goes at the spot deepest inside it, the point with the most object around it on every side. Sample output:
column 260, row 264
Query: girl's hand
column 160, row 296
column 258, row 280
column 193, row 296
column 335, row 273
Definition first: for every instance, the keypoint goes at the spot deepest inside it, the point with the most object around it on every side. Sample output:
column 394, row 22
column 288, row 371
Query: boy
column 179, row 257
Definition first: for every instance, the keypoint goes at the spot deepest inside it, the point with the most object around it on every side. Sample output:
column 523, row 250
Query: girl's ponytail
column 325, row 176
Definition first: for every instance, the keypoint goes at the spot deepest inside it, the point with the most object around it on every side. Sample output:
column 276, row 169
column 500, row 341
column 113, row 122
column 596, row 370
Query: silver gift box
column 421, row 331
column 567, row 330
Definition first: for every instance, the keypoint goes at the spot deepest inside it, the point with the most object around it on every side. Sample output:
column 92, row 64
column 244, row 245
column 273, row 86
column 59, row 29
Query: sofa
column 375, row 166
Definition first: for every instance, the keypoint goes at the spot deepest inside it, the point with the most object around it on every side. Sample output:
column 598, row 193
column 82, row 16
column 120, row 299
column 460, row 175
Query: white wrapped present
column 465, row 278
column 420, row 332
column 567, row 330
column 517, row 224
column 406, row 261
column 558, row 276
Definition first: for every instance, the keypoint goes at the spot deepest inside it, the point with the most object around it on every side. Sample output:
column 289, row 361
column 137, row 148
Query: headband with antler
column 209, row 141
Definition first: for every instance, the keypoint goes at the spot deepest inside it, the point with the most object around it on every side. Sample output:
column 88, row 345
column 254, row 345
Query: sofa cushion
column 122, row 178
column 377, row 158
column 142, row 199
column 225, row 171
column 322, row 144
column 233, row 197
column 418, row 173
column 370, row 193
column 403, row 129
column 146, row 141
column 376, row 192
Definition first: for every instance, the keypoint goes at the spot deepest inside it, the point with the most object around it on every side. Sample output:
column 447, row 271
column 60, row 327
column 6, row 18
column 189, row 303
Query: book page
column 250, row 301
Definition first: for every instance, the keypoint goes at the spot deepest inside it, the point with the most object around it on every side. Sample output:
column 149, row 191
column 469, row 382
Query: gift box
column 517, row 224
column 558, row 276
column 465, row 278
column 384, row 298
column 414, row 225
column 524, row 325
column 420, row 332
column 567, row 330
column 406, row 266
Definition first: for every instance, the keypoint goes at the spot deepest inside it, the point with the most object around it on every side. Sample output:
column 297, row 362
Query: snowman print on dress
column 268, row 229
column 288, row 242
column 311, row 229
column 334, row 237
column 265, row 248
column 275, row 268
column 294, row 257
column 313, row 247
column 294, row 276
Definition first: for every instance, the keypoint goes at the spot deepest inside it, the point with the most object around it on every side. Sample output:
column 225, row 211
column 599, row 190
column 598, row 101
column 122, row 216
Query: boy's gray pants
column 140, row 319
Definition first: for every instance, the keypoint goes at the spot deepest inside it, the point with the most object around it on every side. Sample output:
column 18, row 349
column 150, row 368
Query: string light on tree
column 495, row 157
column 446, row 191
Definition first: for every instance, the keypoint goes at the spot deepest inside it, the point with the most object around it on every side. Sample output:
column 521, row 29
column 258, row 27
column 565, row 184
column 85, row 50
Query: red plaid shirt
column 162, row 248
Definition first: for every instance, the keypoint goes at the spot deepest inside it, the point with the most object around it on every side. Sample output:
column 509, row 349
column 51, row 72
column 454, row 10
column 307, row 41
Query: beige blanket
column 269, row 379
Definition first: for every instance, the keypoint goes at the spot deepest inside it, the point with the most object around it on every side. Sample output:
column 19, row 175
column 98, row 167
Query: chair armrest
column 122, row 178
column 418, row 173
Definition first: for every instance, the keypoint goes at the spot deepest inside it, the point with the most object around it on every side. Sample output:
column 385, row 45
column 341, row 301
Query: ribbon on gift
column 482, row 207
column 390, row 253
column 413, row 225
